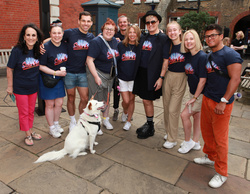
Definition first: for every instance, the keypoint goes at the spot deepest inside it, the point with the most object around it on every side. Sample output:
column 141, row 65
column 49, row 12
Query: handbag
column 49, row 81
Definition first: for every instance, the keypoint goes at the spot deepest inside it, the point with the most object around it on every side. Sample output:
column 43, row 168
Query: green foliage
column 197, row 21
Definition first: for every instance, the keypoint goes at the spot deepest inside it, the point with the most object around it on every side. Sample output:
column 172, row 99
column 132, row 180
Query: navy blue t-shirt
column 119, row 35
column 25, row 73
column 146, row 49
column 126, row 63
column 195, row 68
column 176, row 59
column 54, row 57
column 78, row 45
column 102, row 55
column 216, row 84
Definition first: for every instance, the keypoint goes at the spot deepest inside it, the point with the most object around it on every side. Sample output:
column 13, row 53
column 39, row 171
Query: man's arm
column 234, row 72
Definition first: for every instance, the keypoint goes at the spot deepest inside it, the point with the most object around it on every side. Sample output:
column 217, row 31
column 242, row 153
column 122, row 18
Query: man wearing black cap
column 150, row 69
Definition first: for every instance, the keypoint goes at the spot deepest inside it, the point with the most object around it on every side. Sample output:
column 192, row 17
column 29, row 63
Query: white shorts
column 126, row 86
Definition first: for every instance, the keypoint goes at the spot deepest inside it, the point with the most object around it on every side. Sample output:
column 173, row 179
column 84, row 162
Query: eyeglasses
column 151, row 22
column 133, row 24
column 109, row 29
column 212, row 36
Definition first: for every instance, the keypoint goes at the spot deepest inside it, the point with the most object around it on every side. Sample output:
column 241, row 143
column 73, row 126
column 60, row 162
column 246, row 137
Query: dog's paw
column 82, row 153
column 92, row 151
column 95, row 143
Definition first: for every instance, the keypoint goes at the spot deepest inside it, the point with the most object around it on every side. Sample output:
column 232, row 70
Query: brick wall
column 69, row 12
column 15, row 14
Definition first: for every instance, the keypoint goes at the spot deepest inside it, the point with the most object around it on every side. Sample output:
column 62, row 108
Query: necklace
column 130, row 47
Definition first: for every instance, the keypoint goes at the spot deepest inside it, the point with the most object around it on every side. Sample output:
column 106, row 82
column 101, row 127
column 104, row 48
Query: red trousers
column 214, row 129
column 26, row 107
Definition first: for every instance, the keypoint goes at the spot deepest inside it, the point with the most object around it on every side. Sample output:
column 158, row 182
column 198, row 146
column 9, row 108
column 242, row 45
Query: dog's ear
column 90, row 106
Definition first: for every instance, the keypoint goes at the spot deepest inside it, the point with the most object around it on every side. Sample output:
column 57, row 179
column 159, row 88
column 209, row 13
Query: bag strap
column 217, row 71
column 112, row 52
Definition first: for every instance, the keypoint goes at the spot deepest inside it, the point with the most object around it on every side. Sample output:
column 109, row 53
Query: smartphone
column 13, row 98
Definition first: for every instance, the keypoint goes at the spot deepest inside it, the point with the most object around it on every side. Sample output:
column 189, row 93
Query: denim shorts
column 73, row 80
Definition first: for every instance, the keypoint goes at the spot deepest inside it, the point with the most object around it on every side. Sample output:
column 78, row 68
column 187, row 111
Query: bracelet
column 162, row 77
column 195, row 98
column 54, row 74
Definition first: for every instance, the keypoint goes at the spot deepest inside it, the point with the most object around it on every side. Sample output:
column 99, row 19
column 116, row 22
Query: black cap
column 151, row 12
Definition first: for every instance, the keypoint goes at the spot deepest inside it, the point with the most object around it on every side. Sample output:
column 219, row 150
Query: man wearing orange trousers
column 224, row 70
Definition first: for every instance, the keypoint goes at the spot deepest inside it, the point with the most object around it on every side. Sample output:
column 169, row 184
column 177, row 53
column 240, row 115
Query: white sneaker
column 203, row 160
column 186, row 146
column 127, row 126
column 58, row 128
column 54, row 133
column 196, row 147
column 71, row 126
column 169, row 145
column 166, row 137
column 99, row 132
column 107, row 124
column 217, row 181
column 124, row 117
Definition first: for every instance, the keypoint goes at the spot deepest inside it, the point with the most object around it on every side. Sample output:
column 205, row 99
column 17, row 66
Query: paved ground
column 123, row 163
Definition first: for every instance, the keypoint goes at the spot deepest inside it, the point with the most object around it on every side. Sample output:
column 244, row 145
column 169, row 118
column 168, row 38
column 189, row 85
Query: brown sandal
column 28, row 141
column 36, row 136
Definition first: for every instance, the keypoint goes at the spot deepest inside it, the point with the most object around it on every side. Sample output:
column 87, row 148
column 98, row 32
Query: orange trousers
column 214, row 129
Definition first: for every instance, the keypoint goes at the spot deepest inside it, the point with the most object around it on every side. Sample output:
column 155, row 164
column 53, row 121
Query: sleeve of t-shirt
column 94, row 49
column 13, row 58
column 202, row 66
column 232, row 57
column 44, row 57
column 166, row 49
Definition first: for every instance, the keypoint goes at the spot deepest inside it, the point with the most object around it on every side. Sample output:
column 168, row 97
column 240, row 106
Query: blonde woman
column 195, row 68
column 174, row 85
column 126, row 65
column 238, row 43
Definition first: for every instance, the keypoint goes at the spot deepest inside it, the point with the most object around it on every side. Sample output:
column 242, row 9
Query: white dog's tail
column 54, row 155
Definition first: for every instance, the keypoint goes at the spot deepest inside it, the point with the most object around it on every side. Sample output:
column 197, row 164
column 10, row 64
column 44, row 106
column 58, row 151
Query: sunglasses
column 151, row 22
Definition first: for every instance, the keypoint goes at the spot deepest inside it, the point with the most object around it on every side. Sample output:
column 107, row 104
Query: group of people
column 147, row 65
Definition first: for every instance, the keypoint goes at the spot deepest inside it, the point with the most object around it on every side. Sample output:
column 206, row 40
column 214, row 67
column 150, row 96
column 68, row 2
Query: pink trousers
column 26, row 107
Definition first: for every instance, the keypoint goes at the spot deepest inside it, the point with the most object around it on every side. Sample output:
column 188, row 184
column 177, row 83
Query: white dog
column 82, row 135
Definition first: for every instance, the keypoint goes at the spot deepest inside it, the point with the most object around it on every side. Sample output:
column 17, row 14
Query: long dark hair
column 21, row 43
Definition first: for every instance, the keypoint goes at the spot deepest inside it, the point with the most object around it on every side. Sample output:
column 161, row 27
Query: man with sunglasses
column 224, row 70
column 150, row 69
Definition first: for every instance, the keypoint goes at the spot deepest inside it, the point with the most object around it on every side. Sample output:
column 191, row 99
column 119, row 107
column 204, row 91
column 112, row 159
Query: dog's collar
column 94, row 115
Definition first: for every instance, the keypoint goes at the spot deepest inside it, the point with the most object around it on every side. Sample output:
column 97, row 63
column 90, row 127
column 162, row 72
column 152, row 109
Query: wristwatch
column 224, row 100
column 162, row 77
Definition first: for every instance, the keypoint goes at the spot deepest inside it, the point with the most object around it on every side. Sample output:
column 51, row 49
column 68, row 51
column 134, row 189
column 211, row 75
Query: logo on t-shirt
column 128, row 56
column 210, row 69
column 60, row 58
column 29, row 63
column 189, row 69
column 147, row 46
column 109, row 54
column 176, row 58
column 81, row 45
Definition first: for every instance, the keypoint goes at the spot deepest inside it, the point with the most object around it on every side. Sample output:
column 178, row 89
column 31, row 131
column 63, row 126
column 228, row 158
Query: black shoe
column 147, row 131
column 141, row 128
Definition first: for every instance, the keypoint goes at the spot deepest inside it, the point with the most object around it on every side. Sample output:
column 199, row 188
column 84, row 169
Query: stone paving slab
column 123, row 180
column 195, row 179
column 3, row 142
column 49, row 178
column 152, row 162
column 239, row 133
column 237, row 165
column 239, row 148
column 15, row 162
column 240, row 122
column 4, row 188
column 248, row 171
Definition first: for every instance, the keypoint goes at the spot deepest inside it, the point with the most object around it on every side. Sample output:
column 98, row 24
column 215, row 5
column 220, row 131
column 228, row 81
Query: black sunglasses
column 151, row 22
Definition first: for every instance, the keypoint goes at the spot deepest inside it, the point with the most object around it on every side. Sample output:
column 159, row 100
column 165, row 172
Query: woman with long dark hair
column 22, row 77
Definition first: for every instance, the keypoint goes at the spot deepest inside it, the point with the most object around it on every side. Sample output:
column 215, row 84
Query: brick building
column 16, row 13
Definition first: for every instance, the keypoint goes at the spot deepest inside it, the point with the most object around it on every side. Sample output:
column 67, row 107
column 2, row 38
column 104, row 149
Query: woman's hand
column 191, row 101
column 9, row 90
column 61, row 73
column 98, row 80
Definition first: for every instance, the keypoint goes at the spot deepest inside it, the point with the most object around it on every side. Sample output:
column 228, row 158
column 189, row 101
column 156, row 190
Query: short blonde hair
column 241, row 34
column 198, row 45
column 226, row 41
column 177, row 24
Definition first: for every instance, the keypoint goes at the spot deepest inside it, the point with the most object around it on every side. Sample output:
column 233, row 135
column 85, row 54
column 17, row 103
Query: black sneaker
column 115, row 115
column 140, row 128
column 146, row 132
